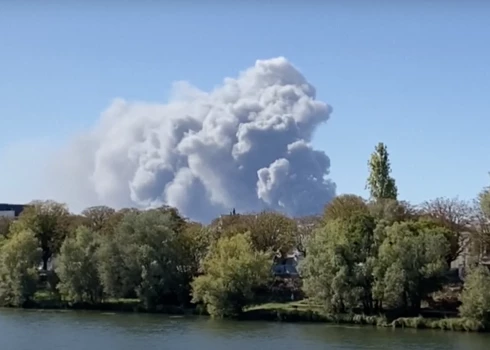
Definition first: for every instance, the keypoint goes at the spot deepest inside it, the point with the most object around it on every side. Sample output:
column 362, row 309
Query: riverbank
column 304, row 311
column 46, row 301
column 300, row 311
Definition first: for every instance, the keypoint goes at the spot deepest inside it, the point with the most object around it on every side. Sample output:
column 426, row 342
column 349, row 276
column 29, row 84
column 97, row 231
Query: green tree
column 118, row 280
column 19, row 258
column 76, row 267
column 479, row 242
column 5, row 224
column 410, row 264
column 144, row 257
column 269, row 231
column 306, row 226
column 231, row 272
column 178, row 222
column 380, row 183
column 228, row 225
column 101, row 219
column 49, row 221
column 476, row 297
column 456, row 216
column 189, row 250
column 194, row 242
column 75, row 221
column 392, row 210
column 484, row 201
column 344, row 206
column 338, row 268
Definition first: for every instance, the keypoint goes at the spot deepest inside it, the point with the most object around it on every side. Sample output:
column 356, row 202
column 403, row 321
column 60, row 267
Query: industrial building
column 11, row 210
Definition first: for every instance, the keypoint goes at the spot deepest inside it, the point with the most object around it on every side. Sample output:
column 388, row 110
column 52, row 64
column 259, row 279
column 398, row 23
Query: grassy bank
column 304, row 311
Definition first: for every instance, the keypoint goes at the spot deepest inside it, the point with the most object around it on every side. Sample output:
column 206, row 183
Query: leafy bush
column 232, row 271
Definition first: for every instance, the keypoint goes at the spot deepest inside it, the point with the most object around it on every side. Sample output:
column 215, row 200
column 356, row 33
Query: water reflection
column 23, row 330
column 389, row 338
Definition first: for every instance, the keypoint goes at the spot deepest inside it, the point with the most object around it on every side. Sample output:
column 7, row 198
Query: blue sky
column 415, row 76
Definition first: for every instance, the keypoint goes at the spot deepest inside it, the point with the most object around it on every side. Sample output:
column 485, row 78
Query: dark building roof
column 16, row 208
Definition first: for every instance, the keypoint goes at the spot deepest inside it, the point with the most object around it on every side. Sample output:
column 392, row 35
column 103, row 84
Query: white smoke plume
column 244, row 145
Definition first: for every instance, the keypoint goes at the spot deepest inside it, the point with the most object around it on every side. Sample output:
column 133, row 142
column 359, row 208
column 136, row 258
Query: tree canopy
column 19, row 259
column 380, row 183
column 374, row 256
column 231, row 272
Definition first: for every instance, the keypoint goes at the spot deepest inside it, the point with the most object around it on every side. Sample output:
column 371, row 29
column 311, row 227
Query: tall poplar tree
column 380, row 184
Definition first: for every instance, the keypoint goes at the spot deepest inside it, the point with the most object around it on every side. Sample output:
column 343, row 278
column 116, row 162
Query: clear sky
column 415, row 75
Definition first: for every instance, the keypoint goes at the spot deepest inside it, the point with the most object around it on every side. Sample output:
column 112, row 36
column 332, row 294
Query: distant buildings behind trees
column 11, row 210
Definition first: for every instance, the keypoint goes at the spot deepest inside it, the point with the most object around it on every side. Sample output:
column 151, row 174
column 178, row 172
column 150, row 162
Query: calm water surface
column 43, row 330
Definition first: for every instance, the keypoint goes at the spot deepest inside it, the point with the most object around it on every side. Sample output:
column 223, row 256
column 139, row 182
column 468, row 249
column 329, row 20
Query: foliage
column 49, row 221
column 228, row 225
column 144, row 256
column 19, row 259
column 410, row 264
column 177, row 222
column 484, row 201
column 344, row 206
column 380, row 183
column 76, row 267
column 5, row 224
column 194, row 243
column 337, row 269
column 101, row 219
column 324, row 271
column 476, row 296
column 269, row 231
column 117, row 279
column 392, row 210
column 479, row 243
column 231, row 272
column 307, row 312
column 305, row 228
column 453, row 214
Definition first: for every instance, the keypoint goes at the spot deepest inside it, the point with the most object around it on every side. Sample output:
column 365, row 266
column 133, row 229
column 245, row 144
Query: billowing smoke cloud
column 244, row 145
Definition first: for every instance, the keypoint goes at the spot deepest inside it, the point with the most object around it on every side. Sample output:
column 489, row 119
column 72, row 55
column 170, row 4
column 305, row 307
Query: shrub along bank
column 305, row 312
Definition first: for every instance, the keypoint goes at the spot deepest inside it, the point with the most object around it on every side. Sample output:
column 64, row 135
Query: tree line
column 371, row 256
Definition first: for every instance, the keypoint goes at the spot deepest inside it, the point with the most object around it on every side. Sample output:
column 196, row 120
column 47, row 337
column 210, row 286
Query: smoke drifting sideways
column 244, row 145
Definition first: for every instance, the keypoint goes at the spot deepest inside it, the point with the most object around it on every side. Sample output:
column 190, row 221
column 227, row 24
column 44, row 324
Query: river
column 46, row 330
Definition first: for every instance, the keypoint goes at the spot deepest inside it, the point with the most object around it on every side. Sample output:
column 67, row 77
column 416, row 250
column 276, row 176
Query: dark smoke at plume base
column 244, row 145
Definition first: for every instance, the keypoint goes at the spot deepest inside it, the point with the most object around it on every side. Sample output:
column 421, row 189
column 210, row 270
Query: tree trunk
column 45, row 257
